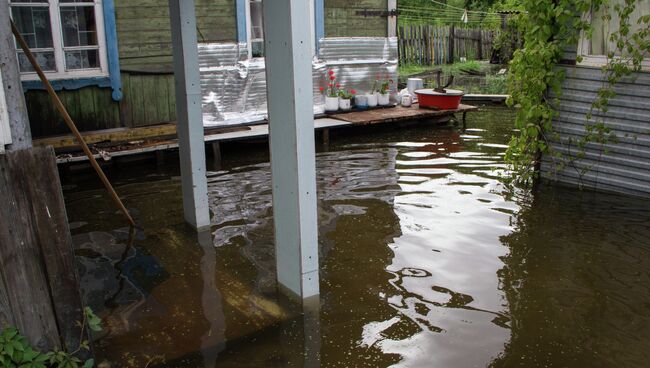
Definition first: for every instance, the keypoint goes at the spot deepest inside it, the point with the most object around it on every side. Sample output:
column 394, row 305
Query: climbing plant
column 549, row 28
column 15, row 351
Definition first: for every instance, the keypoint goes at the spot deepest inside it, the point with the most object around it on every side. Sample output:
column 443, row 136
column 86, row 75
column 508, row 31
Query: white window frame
column 5, row 129
column 57, row 42
column 249, row 29
column 597, row 61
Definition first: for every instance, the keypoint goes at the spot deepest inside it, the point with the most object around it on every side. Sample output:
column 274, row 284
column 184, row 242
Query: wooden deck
column 398, row 113
column 126, row 142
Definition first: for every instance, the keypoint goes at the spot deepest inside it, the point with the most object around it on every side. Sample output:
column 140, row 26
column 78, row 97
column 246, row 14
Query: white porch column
column 189, row 114
column 288, row 39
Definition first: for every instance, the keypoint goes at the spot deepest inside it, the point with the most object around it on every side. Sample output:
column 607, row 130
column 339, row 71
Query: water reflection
column 577, row 281
column 427, row 259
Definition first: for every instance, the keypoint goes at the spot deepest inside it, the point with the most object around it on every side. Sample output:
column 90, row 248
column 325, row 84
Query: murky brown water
column 427, row 259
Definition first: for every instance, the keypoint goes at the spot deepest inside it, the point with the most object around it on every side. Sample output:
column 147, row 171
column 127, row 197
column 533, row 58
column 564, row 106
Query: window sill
column 599, row 61
column 73, row 84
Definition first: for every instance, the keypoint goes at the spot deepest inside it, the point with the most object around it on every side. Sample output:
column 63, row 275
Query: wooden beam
column 37, row 269
column 116, row 135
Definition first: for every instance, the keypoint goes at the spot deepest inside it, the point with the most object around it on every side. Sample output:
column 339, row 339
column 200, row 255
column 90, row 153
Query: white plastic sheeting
column 234, row 87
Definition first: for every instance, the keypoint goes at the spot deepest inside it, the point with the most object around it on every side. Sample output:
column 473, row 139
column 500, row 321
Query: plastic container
column 450, row 100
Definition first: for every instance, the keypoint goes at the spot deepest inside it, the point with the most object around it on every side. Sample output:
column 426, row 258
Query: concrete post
column 189, row 113
column 21, row 135
column 291, row 123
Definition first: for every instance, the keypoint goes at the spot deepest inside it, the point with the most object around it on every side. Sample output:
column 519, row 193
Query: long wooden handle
column 70, row 123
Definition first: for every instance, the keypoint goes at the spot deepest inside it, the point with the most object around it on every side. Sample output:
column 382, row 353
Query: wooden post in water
column 39, row 288
column 189, row 115
column 291, row 137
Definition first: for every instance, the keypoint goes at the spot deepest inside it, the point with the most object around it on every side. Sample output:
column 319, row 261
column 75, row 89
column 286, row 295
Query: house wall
column 145, row 52
column 341, row 19
column 144, row 36
column 622, row 167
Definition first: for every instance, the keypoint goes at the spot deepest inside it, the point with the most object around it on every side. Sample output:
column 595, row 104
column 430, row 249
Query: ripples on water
column 427, row 260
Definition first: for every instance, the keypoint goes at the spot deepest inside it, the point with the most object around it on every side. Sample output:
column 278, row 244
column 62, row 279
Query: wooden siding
column 341, row 19
column 144, row 33
column 148, row 99
column 144, row 42
column 622, row 167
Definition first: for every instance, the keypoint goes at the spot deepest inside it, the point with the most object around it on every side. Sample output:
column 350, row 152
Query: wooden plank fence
column 39, row 288
column 432, row 45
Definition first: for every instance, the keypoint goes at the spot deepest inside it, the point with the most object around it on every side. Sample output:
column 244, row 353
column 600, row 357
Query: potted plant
column 331, row 92
column 384, row 92
column 345, row 99
column 373, row 95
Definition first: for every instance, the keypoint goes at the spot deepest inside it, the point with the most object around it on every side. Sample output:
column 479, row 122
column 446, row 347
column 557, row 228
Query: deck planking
column 399, row 113
column 261, row 131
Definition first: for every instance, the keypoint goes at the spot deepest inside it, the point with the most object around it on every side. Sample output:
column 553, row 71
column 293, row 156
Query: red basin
column 436, row 100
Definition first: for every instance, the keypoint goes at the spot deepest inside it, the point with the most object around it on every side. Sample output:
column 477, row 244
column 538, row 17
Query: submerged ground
column 428, row 260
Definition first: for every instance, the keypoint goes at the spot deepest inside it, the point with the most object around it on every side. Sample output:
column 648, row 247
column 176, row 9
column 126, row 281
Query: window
column 65, row 36
column 256, row 28
column 596, row 49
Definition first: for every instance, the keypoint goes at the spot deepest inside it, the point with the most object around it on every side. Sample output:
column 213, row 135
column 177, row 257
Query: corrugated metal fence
column 427, row 45
column 622, row 167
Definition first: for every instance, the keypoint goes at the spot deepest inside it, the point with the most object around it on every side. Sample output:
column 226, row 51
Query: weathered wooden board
column 397, row 114
column 37, row 267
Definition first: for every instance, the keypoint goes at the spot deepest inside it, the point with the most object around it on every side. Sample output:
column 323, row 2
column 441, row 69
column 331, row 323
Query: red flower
column 322, row 89
column 331, row 72
column 329, row 85
column 332, row 77
column 338, row 85
column 352, row 91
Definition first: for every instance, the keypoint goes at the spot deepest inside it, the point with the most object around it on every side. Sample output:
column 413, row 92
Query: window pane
column 45, row 61
column 602, row 30
column 81, row 59
column 33, row 22
column 79, row 28
column 257, row 30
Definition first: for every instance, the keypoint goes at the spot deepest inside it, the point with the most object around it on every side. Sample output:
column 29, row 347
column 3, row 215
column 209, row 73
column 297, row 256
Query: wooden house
column 111, row 60
column 623, row 164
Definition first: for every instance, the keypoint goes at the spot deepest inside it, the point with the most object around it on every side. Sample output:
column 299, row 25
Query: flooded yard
column 427, row 260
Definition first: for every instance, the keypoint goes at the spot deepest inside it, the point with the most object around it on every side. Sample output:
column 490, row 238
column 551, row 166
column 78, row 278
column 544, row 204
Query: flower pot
column 345, row 104
column 372, row 99
column 331, row 103
column 361, row 101
column 384, row 99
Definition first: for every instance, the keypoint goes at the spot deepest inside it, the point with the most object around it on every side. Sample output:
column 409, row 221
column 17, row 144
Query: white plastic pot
column 345, row 104
column 331, row 103
column 372, row 99
column 384, row 99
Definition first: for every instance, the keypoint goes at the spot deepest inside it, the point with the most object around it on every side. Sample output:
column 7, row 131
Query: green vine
column 550, row 27
column 15, row 351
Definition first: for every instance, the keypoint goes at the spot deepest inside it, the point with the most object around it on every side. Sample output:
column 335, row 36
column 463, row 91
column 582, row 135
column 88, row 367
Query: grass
column 406, row 70
column 490, row 83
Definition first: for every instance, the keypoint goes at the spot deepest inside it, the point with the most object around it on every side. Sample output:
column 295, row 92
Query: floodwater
column 427, row 260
